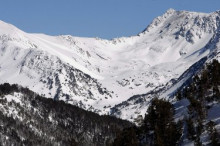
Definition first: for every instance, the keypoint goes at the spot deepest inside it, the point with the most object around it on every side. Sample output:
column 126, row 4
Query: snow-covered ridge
column 97, row 74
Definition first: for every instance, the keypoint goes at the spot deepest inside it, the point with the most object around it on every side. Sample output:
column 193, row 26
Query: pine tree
column 127, row 137
column 198, row 142
column 160, row 120
column 214, row 135
column 215, row 141
column 179, row 95
column 190, row 129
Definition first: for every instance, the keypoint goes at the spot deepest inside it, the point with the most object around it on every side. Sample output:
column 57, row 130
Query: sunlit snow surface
column 124, row 67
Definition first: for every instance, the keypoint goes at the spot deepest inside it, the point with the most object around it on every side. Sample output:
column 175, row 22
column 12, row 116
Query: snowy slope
column 98, row 74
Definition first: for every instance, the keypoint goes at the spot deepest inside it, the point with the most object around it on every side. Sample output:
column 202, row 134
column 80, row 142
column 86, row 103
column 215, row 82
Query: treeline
column 41, row 121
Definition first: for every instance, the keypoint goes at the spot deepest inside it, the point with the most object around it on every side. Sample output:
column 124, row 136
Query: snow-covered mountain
column 118, row 76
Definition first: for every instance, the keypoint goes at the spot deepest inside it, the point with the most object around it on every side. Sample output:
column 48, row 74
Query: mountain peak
column 170, row 11
column 7, row 28
column 182, row 18
column 159, row 19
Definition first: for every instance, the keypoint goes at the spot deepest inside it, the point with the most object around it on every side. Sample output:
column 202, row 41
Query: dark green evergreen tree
column 160, row 120
column 127, row 137
column 214, row 135
column 191, row 129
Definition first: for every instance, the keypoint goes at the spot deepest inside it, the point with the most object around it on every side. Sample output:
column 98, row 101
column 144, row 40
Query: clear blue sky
column 93, row 18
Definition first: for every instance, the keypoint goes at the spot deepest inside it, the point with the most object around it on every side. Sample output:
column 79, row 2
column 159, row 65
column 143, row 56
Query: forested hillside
column 29, row 119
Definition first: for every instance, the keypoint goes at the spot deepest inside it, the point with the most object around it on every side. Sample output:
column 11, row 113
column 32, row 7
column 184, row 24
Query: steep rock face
column 99, row 75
